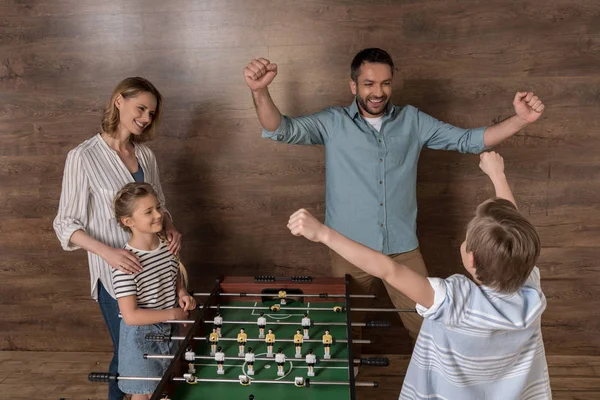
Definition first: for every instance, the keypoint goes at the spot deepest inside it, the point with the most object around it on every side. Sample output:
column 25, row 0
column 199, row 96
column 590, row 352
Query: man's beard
column 363, row 103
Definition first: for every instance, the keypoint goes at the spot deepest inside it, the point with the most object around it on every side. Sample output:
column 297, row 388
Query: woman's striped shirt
column 93, row 175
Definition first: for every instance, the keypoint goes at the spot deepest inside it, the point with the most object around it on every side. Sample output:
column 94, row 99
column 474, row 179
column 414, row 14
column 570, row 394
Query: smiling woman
column 94, row 172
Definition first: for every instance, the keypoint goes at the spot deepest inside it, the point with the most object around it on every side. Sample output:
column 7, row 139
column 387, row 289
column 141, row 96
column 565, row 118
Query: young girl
column 94, row 172
column 149, row 297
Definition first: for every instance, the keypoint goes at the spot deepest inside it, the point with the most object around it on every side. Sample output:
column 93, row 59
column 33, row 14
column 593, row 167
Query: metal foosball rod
column 372, row 361
column 368, row 324
column 338, row 309
column 300, row 382
column 320, row 295
column 165, row 338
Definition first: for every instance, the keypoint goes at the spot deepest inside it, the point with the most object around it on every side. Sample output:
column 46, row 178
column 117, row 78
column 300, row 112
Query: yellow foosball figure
column 213, row 338
column 298, row 340
column 270, row 339
column 327, row 340
column 241, row 339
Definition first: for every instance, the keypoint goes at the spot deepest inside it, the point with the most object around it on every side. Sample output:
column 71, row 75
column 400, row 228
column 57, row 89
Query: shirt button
column 280, row 137
column 379, row 140
column 381, row 160
column 381, row 204
column 381, row 225
column 381, row 182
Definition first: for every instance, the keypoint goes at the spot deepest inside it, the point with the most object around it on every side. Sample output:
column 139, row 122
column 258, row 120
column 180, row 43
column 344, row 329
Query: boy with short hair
column 481, row 338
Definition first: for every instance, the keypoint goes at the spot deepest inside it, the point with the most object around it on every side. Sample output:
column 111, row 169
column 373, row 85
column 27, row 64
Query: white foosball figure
column 311, row 360
column 298, row 340
column 262, row 323
column 280, row 360
column 250, row 358
column 306, row 323
column 220, row 359
column 327, row 339
column 218, row 323
column 190, row 357
column 270, row 339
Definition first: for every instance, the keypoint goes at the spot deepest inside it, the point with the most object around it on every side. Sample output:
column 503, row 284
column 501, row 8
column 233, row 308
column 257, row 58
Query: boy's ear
column 471, row 260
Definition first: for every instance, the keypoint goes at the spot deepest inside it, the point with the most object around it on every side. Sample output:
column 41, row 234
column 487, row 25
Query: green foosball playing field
column 193, row 371
column 335, row 370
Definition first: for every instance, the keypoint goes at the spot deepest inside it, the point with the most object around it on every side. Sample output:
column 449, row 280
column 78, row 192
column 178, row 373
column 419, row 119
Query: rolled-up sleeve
column 439, row 135
column 74, row 200
column 305, row 130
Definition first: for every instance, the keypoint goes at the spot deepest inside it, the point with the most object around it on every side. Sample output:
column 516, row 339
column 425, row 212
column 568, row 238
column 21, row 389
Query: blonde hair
column 127, row 198
column 183, row 274
column 504, row 243
column 124, row 205
column 128, row 88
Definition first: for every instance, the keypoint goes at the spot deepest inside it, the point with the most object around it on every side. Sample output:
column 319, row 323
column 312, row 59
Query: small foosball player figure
column 241, row 339
column 262, row 323
column 250, row 358
column 270, row 339
column 280, row 360
column 298, row 339
column 220, row 359
column 282, row 295
column 327, row 339
column 213, row 338
column 218, row 323
column 311, row 360
column 190, row 357
column 306, row 323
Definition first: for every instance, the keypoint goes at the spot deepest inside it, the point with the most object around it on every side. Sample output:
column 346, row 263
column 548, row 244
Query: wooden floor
column 48, row 375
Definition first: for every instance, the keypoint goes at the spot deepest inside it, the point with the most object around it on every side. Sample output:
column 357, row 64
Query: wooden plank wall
column 231, row 192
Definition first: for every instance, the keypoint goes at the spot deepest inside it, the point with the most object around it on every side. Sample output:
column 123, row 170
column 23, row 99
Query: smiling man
column 371, row 151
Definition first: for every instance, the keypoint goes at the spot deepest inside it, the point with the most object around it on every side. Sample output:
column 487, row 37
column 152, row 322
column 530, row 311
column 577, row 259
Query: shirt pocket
column 400, row 144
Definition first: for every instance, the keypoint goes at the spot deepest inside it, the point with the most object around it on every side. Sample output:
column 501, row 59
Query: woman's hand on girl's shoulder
column 173, row 238
column 121, row 259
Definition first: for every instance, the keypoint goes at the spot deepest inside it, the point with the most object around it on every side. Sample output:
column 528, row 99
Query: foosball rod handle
column 156, row 337
column 378, row 324
column 102, row 377
column 375, row 361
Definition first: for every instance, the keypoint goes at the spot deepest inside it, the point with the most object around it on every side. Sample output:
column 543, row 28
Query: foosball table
column 266, row 337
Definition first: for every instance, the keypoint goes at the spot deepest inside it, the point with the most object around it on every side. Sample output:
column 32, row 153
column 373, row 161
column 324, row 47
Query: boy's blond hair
column 504, row 243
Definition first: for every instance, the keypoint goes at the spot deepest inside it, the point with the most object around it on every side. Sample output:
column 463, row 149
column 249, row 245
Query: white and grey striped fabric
column 93, row 175
column 476, row 343
column 154, row 287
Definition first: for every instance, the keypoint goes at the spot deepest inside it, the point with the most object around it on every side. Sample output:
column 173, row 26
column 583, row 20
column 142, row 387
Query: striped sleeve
column 460, row 302
column 124, row 284
column 451, row 301
column 73, row 205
